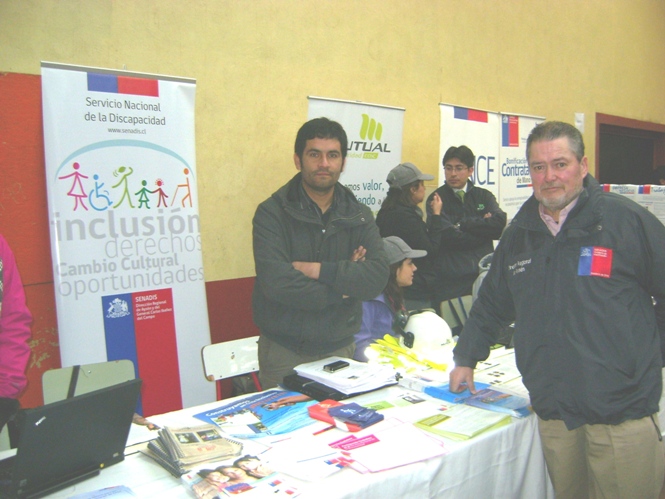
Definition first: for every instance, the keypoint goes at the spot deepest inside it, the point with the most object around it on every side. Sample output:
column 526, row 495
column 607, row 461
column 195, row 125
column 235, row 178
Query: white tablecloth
column 503, row 463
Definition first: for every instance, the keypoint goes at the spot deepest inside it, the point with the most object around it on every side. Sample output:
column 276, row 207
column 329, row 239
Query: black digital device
column 317, row 390
column 335, row 366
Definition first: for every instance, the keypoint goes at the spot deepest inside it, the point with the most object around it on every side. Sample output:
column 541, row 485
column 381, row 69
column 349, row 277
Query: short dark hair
column 320, row 128
column 205, row 473
column 463, row 153
column 246, row 457
column 552, row 130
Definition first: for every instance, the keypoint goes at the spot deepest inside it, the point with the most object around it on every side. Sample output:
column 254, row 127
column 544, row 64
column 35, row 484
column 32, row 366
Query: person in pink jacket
column 15, row 320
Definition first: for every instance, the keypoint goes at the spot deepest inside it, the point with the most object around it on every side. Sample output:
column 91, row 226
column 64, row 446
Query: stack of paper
column 178, row 449
column 484, row 398
column 357, row 377
column 272, row 412
column 461, row 422
column 388, row 444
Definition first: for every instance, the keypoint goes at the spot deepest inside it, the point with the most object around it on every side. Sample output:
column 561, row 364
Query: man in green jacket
column 318, row 256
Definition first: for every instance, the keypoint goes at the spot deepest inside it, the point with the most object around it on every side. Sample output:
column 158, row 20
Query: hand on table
column 461, row 378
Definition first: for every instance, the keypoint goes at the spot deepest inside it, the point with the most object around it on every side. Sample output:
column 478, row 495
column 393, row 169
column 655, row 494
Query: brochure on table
column 179, row 449
column 247, row 476
column 266, row 413
column 486, row 397
column 462, row 422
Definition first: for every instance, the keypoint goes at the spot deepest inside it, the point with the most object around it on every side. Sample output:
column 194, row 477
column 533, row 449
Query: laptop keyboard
column 6, row 471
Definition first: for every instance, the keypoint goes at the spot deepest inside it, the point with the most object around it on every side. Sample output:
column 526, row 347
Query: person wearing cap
column 401, row 216
column 379, row 313
column 318, row 255
column 472, row 219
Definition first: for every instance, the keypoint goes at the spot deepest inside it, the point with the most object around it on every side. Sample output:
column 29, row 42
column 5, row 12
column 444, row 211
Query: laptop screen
column 70, row 440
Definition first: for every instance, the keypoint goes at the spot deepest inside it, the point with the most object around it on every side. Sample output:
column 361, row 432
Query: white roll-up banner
column 124, row 222
column 374, row 133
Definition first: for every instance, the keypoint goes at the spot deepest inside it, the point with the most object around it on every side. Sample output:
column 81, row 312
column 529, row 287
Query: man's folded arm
column 275, row 274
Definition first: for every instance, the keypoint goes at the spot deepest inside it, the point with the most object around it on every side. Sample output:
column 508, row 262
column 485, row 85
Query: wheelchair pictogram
column 99, row 200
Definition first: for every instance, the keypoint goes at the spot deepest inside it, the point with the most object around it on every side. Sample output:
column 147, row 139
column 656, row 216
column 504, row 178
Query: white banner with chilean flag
column 479, row 131
column 499, row 142
column 651, row 197
column 515, row 180
column 124, row 221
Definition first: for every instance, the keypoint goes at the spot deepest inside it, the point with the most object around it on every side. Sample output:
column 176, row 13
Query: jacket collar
column 469, row 185
column 585, row 213
column 291, row 196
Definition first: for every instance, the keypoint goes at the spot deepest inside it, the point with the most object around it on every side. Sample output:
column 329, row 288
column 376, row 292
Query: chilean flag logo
column 595, row 261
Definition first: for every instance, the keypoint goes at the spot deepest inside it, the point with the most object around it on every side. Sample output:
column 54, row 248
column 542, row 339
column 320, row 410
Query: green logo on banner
column 370, row 129
column 370, row 144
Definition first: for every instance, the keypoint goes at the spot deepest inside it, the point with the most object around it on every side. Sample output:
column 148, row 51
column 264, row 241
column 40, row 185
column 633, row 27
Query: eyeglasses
column 456, row 169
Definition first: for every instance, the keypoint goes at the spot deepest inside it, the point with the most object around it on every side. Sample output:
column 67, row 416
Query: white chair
column 231, row 358
column 65, row 382
column 455, row 312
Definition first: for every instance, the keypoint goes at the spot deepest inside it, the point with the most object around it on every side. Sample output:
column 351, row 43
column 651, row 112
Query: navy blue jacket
column 586, row 336
column 406, row 222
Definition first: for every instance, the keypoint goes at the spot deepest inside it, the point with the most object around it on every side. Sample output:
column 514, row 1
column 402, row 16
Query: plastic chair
column 66, row 382
column 231, row 358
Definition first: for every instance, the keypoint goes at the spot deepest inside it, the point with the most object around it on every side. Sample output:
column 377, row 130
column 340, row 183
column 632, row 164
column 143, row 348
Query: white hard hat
column 430, row 332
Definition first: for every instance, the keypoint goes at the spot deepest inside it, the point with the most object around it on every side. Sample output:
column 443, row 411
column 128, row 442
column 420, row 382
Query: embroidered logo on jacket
column 519, row 266
column 595, row 261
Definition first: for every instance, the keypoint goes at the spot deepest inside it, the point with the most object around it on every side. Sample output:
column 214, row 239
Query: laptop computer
column 69, row 441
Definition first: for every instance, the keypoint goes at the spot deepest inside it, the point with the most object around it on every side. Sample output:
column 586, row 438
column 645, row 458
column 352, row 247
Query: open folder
column 356, row 377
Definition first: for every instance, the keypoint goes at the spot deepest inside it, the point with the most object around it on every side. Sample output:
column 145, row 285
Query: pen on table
column 325, row 429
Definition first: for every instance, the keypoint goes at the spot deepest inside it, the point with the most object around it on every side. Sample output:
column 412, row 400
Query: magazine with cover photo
column 260, row 414
column 247, row 475
column 178, row 449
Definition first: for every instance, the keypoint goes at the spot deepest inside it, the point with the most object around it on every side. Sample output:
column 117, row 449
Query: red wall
column 230, row 313
column 24, row 223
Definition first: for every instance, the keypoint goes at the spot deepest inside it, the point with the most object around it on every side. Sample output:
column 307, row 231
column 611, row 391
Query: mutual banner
column 124, row 222
column 375, row 144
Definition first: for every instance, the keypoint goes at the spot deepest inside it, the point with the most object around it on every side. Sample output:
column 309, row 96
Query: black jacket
column 467, row 237
column 305, row 315
column 406, row 222
column 586, row 337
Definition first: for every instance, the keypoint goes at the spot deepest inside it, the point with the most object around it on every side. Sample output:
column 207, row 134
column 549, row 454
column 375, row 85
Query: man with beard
column 578, row 270
column 318, row 256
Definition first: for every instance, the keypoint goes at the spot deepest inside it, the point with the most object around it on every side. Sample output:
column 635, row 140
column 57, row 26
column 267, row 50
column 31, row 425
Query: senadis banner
column 374, row 133
column 124, row 221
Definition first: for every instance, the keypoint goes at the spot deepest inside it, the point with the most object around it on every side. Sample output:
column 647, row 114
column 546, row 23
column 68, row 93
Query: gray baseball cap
column 397, row 250
column 405, row 173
